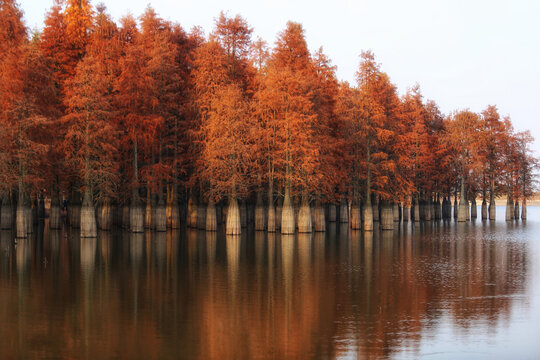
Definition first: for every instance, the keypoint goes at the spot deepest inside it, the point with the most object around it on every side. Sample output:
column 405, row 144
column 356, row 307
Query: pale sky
column 462, row 53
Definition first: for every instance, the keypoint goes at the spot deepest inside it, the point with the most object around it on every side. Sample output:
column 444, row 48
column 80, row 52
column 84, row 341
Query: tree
column 90, row 140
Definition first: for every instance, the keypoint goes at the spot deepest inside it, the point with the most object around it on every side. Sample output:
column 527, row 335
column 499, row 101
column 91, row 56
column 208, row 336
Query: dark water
column 441, row 291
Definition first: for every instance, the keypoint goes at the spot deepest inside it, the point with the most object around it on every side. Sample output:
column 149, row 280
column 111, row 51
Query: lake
column 434, row 291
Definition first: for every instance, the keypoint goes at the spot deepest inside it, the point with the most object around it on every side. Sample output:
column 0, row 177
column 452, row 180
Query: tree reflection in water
column 194, row 294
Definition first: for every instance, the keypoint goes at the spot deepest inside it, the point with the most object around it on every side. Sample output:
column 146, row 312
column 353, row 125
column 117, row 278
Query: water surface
column 436, row 291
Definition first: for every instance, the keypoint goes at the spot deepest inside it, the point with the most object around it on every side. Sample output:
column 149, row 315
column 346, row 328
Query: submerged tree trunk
column 74, row 209
column 343, row 211
column 427, row 209
column 160, row 215
column 387, row 215
column 395, row 211
column 211, row 216
column 233, row 226
column 20, row 217
column 260, row 219
column 287, row 214
column 136, row 216
column 192, row 211
column 376, row 209
column 55, row 218
column 319, row 220
column 492, row 206
column 524, row 209
column 332, row 212
column 305, row 224
column 6, row 213
column 88, row 216
column 105, row 215
column 516, row 211
column 356, row 216
column 474, row 209
column 368, row 216
column 484, row 208
column 271, row 212
column 463, row 204
column 416, row 210
column 509, row 208
column 201, row 216
column 172, row 211
column 406, row 212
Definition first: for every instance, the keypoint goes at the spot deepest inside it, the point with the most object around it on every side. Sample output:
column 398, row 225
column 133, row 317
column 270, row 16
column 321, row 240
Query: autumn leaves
column 143, row 115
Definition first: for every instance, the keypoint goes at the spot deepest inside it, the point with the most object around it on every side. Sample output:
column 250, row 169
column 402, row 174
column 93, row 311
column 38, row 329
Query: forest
column 142, row 125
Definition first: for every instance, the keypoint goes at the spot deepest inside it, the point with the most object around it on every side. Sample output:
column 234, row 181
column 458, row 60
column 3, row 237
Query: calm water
column 441, row 291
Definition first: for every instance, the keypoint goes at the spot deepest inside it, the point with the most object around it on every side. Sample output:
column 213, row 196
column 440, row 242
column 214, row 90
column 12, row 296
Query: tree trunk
column 356, row 216
column 20, row 218
column 271, row 212
column 427, row 209
column 136, row 217
column 287, row 215
column 516, row 211
column 233, row 226
column 201, row 216
column 55, row 219
column 509, row 208
column 368, row 216
column 88, row 216
column 396, row 212
column 105, row 216
column 149, row 210
column 416, row 210
column 6, row 213
column 319, row 220
column 406, row 212
column 192, row 211
column 211, row 216
column 279, row 213
column 474, row 209
column 243, row 214
column 492, row 206
column 172, row 210
column 387, row 215
column 455, row 207
column 74, row 210
column 375, row 206
column 305, row 224
column 126, row 216
column 438, row 208
column 343, row 211
column 463, row 204
column 332, row 212
column 260, row 219
column 524, row 209
column 484, row 209
column 160, row 214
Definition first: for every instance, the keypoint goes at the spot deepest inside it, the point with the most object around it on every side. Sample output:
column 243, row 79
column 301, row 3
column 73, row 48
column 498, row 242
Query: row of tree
column 161, row 124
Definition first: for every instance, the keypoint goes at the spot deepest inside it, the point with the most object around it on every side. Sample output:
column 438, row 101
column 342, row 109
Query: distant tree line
column 143, row 125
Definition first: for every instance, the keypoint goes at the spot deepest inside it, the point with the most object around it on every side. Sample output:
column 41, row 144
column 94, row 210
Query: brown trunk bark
column 343, row 211
column 6, row 213
column 304, row 216
column 474, row 209
column 319, row 222
column 211, row 216
column 160, row 214
column 88, row 216
column 260, row 218
column 233, row 226
column 524, row 209
column 509, row 208
column 287, row 215
column 516, row 211
column 332, row 212
column 387, row 215
column 356, row 215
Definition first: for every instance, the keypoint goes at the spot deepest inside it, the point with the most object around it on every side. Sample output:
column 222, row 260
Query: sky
column 462, row 53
